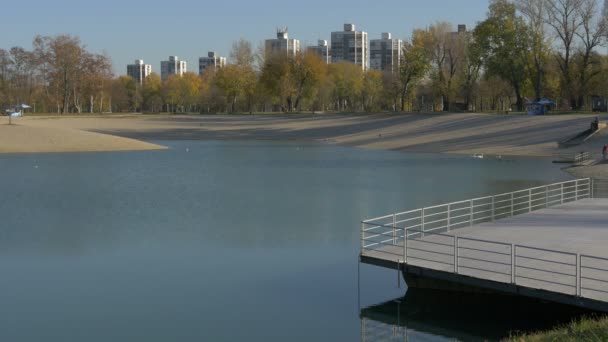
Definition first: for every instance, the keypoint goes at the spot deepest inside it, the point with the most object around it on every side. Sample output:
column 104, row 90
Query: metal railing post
column 422, row 223
column 405, row 245
column 471, row 213
column 513, row 248
column 561, row 196
column 493, row 207
column 394, row 229
column 512, row 204
column 576, row 190
column 530, row 200
column 362, row 237
column 547, row 196
column 449, row 216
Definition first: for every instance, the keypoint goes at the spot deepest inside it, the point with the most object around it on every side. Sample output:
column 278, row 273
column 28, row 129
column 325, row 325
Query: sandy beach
column 434, row 133
column 22, row 137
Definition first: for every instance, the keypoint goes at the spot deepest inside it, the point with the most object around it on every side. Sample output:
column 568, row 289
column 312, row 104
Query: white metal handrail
column 423, row 235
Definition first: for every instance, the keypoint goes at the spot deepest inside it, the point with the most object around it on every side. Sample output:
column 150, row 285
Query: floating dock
column 548, row 242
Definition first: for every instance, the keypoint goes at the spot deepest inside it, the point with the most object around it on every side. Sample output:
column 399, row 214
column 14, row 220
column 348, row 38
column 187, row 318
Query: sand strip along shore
column 514, row 135
column 19, row 138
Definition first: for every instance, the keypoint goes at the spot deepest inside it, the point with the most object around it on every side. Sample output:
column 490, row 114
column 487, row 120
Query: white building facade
column 212, row 61
column 139, row 71
column 385, row 53
column 282, row 44
column 350, row 45
column 322, row 50
column 172, row 67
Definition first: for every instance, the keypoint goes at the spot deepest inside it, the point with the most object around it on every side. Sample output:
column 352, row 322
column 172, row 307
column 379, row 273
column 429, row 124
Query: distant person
column 595, row 125
column 604, row 151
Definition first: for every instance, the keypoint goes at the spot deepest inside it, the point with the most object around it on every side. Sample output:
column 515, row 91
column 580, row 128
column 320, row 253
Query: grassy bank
column 587, row 329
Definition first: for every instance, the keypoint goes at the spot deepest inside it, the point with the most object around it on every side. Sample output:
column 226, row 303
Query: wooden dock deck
column 558, row 251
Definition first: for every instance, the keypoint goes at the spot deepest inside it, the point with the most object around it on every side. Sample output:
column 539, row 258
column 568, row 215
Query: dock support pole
column 456, row 254
column 398, row 275
column 578, row 275
column 359, row 284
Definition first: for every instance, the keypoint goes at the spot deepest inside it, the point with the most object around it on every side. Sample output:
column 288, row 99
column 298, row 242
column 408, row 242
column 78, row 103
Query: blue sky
column 152, row 30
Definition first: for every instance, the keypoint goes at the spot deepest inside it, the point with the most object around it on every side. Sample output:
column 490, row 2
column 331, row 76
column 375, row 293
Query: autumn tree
column 171, row 93
column 235, row 81
column 190, row 85
column 292, row 79
column 277, row 80
column 242, row 53
column 151, row 93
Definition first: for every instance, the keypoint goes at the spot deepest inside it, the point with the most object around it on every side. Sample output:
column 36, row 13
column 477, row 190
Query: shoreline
column 451, row 133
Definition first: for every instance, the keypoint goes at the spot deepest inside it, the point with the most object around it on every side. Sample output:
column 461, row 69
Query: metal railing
column 582, row 158
column 576, row 159
column 422, row 237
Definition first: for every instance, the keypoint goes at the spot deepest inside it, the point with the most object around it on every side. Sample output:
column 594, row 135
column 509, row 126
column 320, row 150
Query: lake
column 217, row 240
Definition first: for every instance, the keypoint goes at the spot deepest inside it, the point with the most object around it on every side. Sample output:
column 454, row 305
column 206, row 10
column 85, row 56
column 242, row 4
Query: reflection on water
column 430, row 315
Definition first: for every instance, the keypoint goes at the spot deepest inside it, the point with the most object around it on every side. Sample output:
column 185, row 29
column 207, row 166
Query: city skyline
column 145, row 30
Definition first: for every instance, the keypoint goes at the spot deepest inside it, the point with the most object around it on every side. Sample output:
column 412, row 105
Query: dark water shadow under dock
column 437, row 315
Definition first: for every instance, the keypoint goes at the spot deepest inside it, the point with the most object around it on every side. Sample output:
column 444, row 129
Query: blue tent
column 539, row 107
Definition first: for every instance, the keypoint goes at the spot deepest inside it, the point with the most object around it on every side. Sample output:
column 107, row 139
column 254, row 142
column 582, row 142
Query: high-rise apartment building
column 385, row 53
column 462, row 30
column 212, row 61
column 282, row 44
column 139, row 71
column 172, row 67
column 350, row 46
column 322, row 50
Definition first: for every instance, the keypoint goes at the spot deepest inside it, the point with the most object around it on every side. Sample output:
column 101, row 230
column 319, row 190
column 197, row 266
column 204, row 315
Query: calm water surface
column 217, row 241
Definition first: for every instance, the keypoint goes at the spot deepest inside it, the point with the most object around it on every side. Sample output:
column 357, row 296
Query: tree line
column 523, row 50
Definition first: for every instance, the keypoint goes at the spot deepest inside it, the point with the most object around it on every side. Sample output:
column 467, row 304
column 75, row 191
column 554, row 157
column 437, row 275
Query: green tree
column 504, row 39
column 348, row 83
column 414, row 66
column 372, row 90
column 592, row 34
column 535, row 13
column 471, row 68
column 564, row 19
